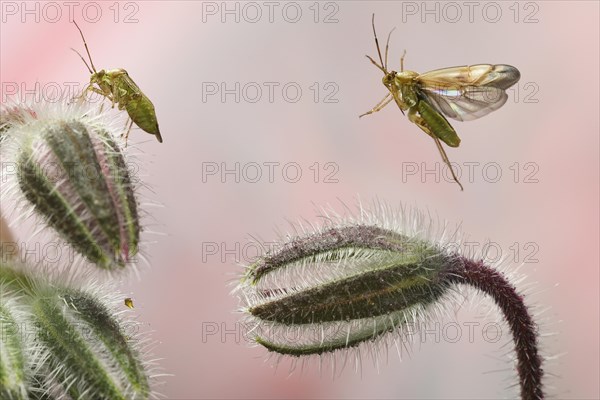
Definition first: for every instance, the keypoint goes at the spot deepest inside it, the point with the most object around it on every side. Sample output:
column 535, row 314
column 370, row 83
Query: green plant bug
column 462, row 93
column 120, row 89
column 128, row 302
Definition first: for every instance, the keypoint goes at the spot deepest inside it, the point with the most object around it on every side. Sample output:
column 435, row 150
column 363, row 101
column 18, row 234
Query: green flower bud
column 355, row 281
column 13, row 115
column 342, row 286
column 69, row 343
column 13, row 371
column 70, row 169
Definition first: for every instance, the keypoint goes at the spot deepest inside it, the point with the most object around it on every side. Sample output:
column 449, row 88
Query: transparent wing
column 500, row 76
column 465, row 104
column 469, row 92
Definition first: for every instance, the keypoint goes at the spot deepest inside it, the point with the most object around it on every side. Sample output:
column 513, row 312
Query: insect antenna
column 382, row 67
column 83, row 59
column 387, row 47
column 86, row 48
column 402, row 61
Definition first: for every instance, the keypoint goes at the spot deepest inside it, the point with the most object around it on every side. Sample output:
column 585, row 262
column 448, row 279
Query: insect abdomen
column 438, row 124
column 141, row 111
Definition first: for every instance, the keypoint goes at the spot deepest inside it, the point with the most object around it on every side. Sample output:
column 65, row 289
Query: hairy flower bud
column 343, row 285
column 13, row 372
column 354, row 281
column 68, row 342
column 70, row 169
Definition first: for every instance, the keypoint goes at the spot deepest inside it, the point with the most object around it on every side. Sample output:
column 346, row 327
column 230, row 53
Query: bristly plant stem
column 522, row 327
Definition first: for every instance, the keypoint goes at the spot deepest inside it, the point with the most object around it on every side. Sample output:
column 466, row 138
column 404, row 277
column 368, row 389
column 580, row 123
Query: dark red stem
column 523, row 329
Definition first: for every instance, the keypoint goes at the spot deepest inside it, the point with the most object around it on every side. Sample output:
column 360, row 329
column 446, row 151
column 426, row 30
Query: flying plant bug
column 120, row 89
column 128, row 302
column 461, row 93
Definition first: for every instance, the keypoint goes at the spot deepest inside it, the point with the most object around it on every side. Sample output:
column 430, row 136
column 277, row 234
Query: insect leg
column 125, row 127
column 128, row 130
column 401, row 105
column 447, row 161
column 415, row 118
column 91, row 88
column 81, row 97
column 384, row 102
column 118, row 96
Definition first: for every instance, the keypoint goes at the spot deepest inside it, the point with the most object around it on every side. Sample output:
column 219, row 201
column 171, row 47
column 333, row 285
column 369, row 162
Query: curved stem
column 523, row 329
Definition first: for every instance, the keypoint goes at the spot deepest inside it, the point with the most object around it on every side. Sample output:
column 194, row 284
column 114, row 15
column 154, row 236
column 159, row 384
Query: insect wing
column 465, row 104
column 469, row 92
column 139, row 107
column 500, row 76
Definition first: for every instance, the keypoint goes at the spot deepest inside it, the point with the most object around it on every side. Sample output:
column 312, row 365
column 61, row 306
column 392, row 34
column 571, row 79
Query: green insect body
column 120, row 89
column 141, row 111
column 438, row 124
column 462, row 93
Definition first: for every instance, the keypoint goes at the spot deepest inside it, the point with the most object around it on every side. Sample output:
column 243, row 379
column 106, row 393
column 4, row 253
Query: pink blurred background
column 173, row 50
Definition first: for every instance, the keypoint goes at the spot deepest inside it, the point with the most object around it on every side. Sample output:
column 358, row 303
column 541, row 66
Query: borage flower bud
column 354, row 281
column 71, row 170
column 69, row 343
column 14, row 374
column 344, row 286
column 13, row 115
